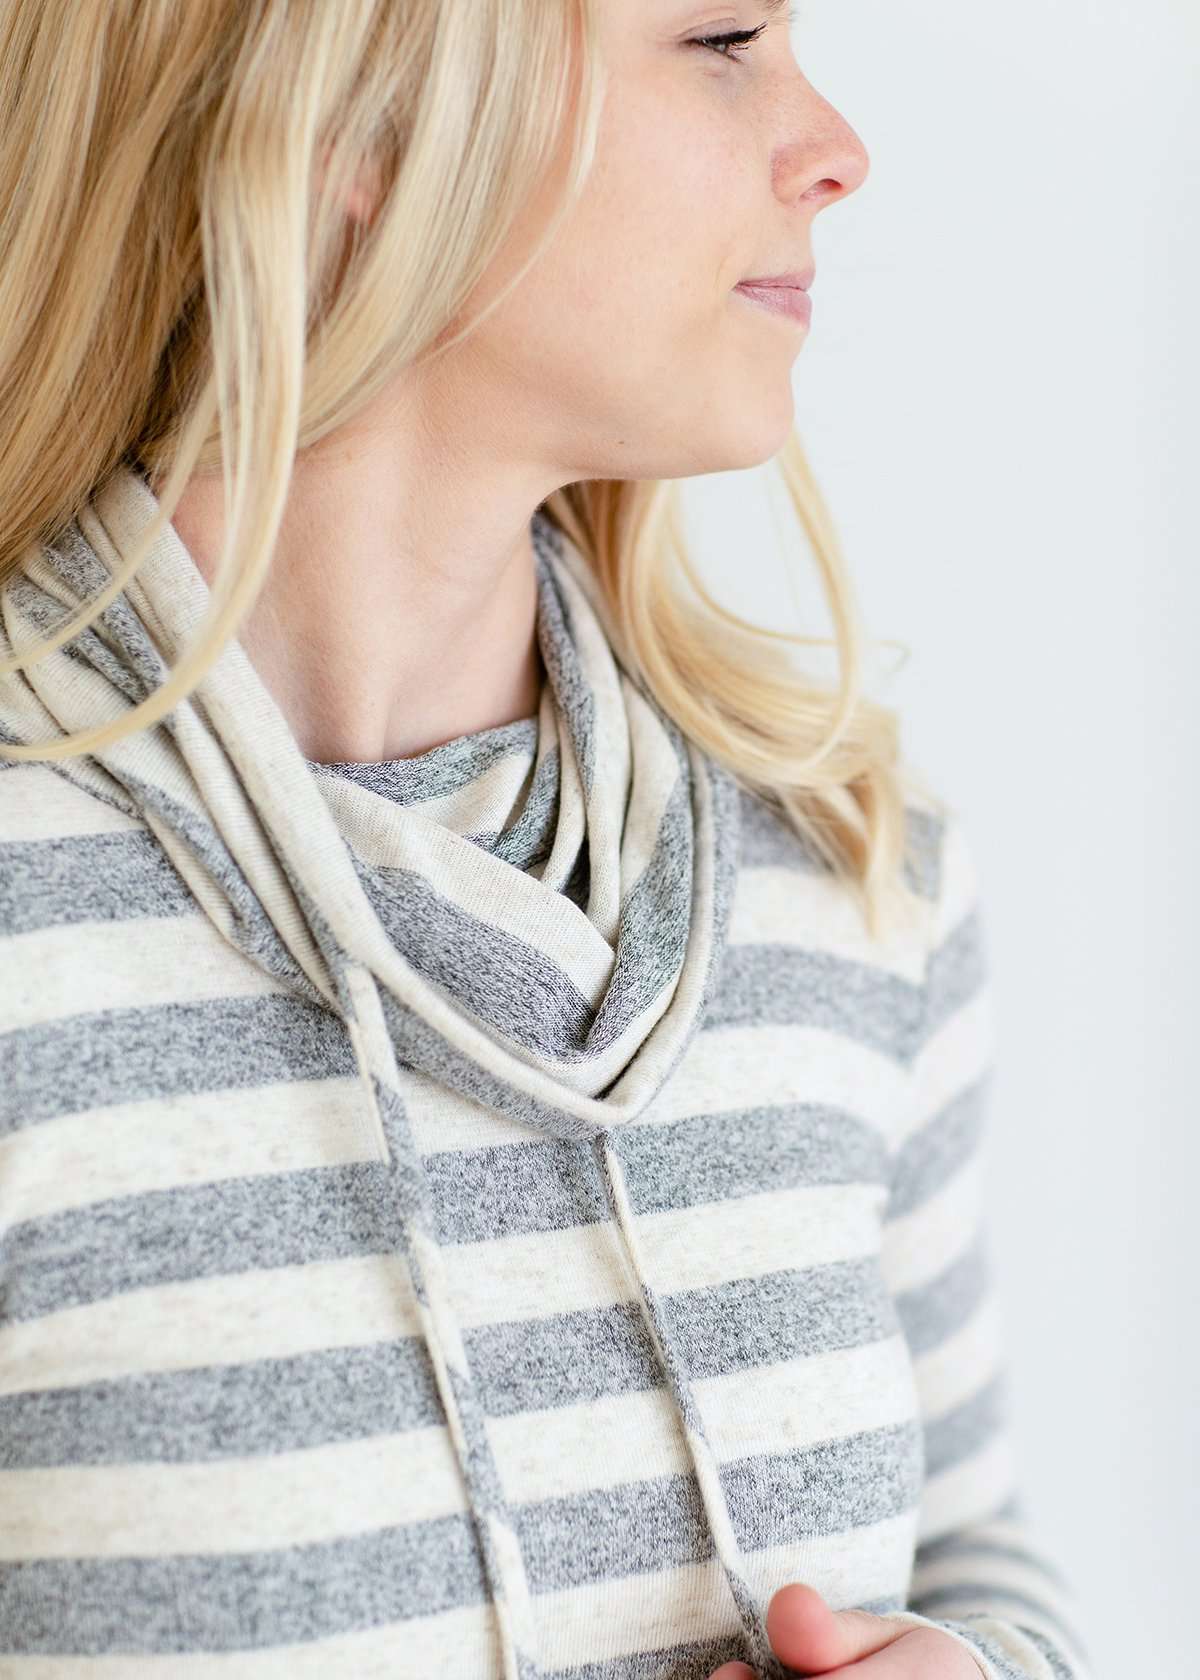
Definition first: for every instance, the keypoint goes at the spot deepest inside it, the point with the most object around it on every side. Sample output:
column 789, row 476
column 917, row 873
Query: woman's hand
column 853, row 1644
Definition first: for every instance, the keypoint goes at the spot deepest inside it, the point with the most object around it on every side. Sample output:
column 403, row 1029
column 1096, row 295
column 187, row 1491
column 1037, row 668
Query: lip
column 790, row 301
column 799, row 280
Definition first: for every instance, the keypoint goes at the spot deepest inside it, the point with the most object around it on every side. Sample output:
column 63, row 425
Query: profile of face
column 626, row 351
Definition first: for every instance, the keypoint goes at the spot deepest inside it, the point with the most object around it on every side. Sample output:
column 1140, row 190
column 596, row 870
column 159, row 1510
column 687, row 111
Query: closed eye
column 729, row 45
column 739, row 41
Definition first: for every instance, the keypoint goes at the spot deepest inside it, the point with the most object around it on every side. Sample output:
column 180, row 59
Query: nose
column 821, row 159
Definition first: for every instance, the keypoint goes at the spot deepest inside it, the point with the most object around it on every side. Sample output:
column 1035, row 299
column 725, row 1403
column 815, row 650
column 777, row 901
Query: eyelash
column 739, row 42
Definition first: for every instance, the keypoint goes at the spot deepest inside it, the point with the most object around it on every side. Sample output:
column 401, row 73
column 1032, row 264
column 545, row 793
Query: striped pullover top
column 222, row 1448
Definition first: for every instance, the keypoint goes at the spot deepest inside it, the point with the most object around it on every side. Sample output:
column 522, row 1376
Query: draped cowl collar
column 544, row 939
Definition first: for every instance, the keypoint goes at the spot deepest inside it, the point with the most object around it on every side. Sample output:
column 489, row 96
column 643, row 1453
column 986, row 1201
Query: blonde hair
column 181, row 284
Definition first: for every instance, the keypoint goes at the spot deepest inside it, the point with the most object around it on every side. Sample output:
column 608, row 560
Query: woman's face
column 626, row 352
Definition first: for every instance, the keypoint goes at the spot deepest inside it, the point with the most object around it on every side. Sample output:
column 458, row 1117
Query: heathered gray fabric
column 487, row 1214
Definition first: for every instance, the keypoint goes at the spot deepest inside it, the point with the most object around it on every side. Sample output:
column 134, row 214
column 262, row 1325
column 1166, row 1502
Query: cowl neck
column 538, row 921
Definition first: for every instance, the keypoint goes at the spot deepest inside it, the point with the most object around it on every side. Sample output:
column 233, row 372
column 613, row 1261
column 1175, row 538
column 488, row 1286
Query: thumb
column 806, row 1634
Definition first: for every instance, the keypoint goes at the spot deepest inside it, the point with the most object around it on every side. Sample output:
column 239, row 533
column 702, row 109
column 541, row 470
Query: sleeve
column 979, row 1574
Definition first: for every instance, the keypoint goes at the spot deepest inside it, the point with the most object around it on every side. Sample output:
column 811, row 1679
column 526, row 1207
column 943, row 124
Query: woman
column 494, row 1058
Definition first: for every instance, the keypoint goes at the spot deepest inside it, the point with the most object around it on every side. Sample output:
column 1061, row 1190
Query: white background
column 998, row 394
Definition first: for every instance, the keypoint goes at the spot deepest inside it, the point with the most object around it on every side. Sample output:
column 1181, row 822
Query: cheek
column 635, row 293
column 656, row 270
column 670, row 204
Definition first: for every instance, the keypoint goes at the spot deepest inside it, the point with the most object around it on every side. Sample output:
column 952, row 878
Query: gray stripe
column 941, row 1307
column 117, row 644
column 887, row 1606
column 225, row 1411
column 943, row 1598
column 88, row 878
column 789, row 986
column 832, row 1487
column 642, row 1527
column 957, row 971
column 557, row 643
column 273, row 1405
column 967, row 1428
column 928, row 1159
column 1005, row 1667
column 239, row 1601
column 694, row 1661
column 125, row 877
column 551, row 1185
column 502, row 980
column 510, row 1189
column 130, row 1055
column 263, row 1220
column 972, row 1544
column 768, row 838
column 781, row 1315
column 441, row 770
column 530, row 838
column 240, row 1225
column 254, row 1600
column 251, row 930
column 147, row 886
column 1062, row 1669
column 925, row 831
column 517, row 991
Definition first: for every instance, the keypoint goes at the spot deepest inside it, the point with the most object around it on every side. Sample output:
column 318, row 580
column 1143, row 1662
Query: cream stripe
column 525, row 1278
column 142, row 963
column 951, row 1373
column 611, row 1620
column 960, row 1495
column 459, row 1642
column 479, row 805
column 534, row 1275
column 758, row 1066
column 37, row 803
column 485, row 802
column 994, row 1568
column 724, row 1069
column 227, row 1320
column 940, row 1230
column 776, row 1230
column 654, row 758
column 1029, row 1661
column 244, row 1504
column 614, row 1619
column 960, row 885
column 959, row 1053
column 781, row 906
column 134, row 1148
column 482, row 885
column 283, row 1499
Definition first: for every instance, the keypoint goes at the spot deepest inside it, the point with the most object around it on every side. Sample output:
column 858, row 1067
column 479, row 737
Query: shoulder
column 938, row 864
column 789, row 896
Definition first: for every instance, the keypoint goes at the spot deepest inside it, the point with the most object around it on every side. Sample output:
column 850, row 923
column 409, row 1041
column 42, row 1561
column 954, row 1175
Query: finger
column 733, row 1671
column 804, row 1631
column 907, row 1657
column 806, row 1634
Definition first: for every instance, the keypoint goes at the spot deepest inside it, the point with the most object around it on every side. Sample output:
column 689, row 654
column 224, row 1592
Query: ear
column 362, row 197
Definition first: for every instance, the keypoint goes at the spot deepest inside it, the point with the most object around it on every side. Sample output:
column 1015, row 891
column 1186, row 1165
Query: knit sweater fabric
column 622, row 1383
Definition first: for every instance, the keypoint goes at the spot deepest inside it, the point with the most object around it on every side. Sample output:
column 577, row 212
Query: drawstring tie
column 503, row 1562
